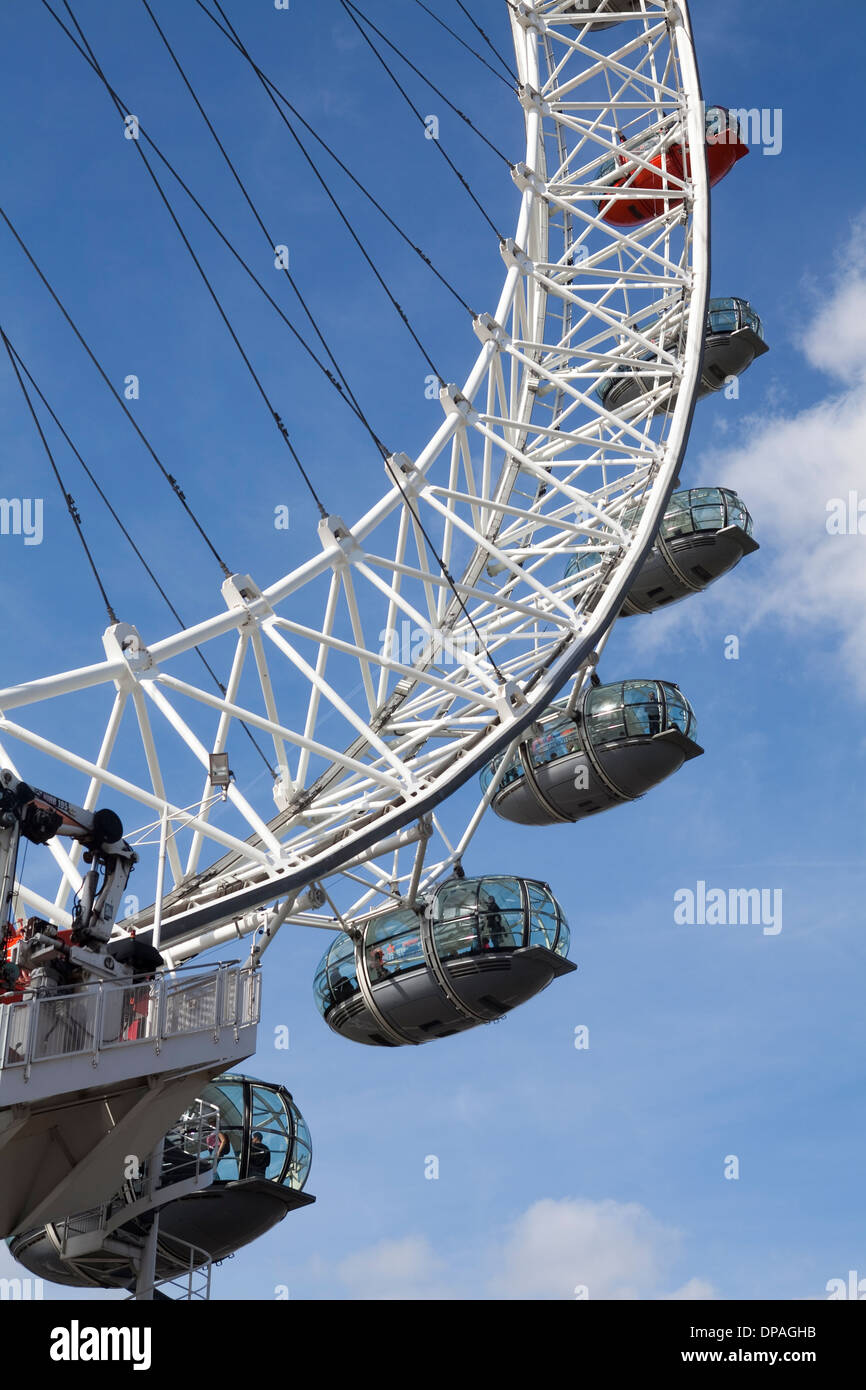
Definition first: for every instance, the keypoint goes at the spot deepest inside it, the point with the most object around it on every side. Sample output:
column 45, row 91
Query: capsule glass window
column 336, row 979
column 392, row 945
column 227, row 1144
column 478, row 915
column 677, row 520
column 560, row 738
column 302, row 1151
column 545, row 919
column 723, row 316
column 512, row 773
column 709, row 511
column 636, row 709
column 267, row 1156
column 582, row 562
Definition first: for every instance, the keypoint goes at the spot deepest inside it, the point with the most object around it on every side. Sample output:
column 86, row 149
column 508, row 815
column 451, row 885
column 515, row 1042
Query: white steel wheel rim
column 526, row 464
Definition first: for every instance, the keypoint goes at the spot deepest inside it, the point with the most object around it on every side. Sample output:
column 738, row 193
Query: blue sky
column 558, row 1167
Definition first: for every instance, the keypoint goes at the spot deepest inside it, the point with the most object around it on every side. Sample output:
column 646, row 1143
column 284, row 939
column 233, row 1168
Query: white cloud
column 790, row 467
column 836, row 339
column 394, row 1269
column 615, row 1250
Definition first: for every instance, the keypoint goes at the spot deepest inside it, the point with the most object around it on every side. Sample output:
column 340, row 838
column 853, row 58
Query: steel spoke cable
column 493, row 49
column 335, row 203
column 359, row 184
column 432, row 85
column 169, row 477
column 270, row 240
column 468, row 47
column 407, row 502
column 119, row 521
column 410, row 103
column 68, row 499
column 446, row 573
column 204, row 212
column 211, row 291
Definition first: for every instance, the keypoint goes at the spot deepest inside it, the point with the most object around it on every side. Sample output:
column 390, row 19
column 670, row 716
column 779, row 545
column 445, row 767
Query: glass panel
column 512, row 773
column 455, row 919
column 753, row 321
column 644, row 711
column 677, row 519
column 392, row 945
column 476, row 915
column 581, row 562
column 270, row 1135
column 680, row 714
column 560, row 738
column 336, row 978
column 632, row 515
column 604, row 716
column 637, row 709
column 302, row 1151
column 564, row 940
column 227, row 1142
column 709, row 518
column 500, row 914
column 543, row 917
column 723, row 319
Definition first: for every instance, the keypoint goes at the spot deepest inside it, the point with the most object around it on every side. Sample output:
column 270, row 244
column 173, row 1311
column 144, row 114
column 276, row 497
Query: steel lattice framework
column 370, row 738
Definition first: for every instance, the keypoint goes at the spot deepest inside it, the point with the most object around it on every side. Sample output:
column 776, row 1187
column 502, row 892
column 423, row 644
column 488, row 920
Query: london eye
column 139, row 840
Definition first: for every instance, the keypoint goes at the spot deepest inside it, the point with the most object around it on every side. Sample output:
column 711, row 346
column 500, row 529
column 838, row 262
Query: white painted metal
column 401, row 703
column 77, row 1095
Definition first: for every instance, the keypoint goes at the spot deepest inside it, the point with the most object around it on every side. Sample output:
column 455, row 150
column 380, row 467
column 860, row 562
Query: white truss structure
column 381, row 686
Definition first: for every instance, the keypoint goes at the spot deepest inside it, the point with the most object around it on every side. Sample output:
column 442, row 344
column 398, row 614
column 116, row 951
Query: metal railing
column 126, row 1014
column 191, row 1284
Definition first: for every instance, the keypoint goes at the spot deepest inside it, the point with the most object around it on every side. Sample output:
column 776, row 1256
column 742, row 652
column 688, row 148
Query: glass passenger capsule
column 260, row 1153
column 475, row 950
column 660, row 168
column 704, row 534
column 620, row 741
column 734, row 339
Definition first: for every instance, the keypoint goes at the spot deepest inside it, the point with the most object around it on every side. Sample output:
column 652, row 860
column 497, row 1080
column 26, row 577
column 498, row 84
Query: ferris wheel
column 448, row 639
column 467, row 553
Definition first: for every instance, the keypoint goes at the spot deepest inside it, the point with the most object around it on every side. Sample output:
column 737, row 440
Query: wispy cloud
column 790, row 467
column 557, row 1249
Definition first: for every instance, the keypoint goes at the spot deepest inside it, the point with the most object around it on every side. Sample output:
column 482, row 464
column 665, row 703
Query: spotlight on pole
column 220, row 774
